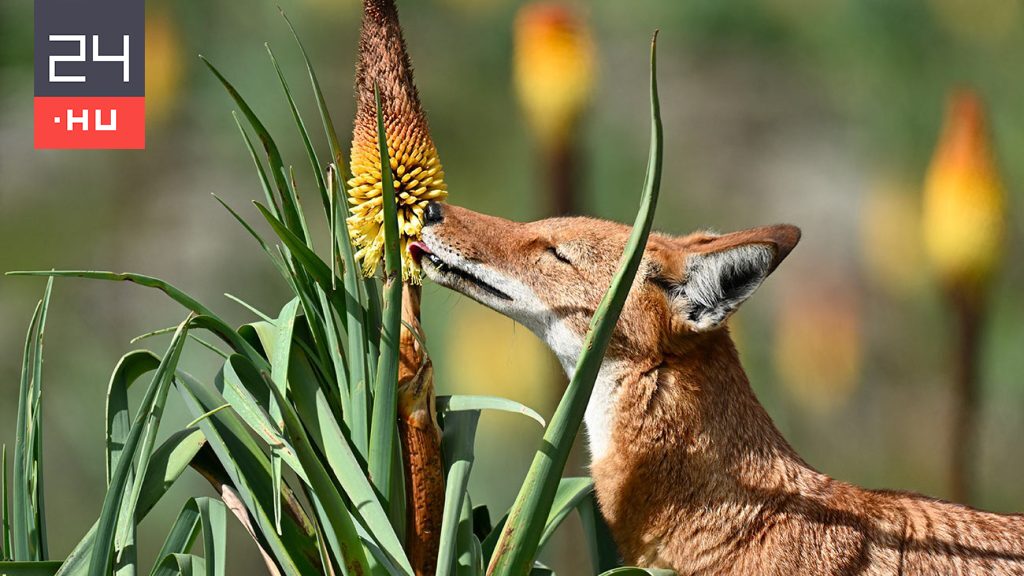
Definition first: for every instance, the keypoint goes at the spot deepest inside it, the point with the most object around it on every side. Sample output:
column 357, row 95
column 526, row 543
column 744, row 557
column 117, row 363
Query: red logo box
column 90, row 122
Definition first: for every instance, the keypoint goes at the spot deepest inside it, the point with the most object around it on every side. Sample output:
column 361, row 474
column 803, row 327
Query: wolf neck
column 684, row 432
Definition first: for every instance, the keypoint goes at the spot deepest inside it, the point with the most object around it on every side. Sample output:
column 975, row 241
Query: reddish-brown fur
column 698, row 478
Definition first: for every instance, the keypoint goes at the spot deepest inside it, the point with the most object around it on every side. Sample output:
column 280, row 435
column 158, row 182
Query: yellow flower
column 163, row 62
column 964, row 201
column 554, row 69
column 415, row 166
column 890, row 231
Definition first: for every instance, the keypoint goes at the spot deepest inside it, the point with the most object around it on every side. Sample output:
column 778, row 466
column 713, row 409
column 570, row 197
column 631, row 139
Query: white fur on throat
column 527, row 308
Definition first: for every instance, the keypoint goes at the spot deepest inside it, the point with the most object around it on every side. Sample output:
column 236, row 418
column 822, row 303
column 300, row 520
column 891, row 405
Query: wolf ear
column 721, row 272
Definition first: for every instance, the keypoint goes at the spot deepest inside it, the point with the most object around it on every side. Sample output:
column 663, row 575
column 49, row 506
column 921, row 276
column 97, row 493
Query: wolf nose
column 433, row 213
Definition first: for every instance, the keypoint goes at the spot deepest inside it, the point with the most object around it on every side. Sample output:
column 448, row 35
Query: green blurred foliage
column 774, row 110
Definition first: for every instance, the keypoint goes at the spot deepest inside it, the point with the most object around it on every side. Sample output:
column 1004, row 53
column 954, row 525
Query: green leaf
column 458, row 402
column 181, row 564
column 571, row 493
column 521, row 536
column 321, row 104
column 384, row 422
column 129, row 368
column 206, row 319
column 36, row 568
column 457, row 446
column 250, row 308
column 5, row 512
column 166, row 466
column 303, row 133
column 290, row 208
column 264, row 181
column 169, row 460
column 138, row 442
column 29, row 530
column 170, row 330
column 604, row 554
column 248, row 469
column 314, row 411
column 311, row 263
column 275, row 258
column 213, row 514
column 279, row 375
column 180, row 538
column 348, row 549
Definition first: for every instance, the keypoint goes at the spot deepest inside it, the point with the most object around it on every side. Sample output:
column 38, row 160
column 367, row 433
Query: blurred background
column 821, row 113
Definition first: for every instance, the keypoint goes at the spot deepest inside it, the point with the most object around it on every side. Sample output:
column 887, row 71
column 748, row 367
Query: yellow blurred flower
column 493, row 355
column 890, row 226
column 964, row 201
column 415, row 165
column 818, row 348
column 163, row 62
column 554, row 68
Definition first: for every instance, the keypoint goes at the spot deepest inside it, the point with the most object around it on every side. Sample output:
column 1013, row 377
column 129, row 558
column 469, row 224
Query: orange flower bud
column 554, row 69
column 964, row 201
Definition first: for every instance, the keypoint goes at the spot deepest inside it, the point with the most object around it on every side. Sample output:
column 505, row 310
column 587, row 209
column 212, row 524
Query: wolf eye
column 561, row 257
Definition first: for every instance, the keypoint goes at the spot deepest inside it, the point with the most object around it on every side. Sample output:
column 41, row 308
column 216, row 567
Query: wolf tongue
column 417, row 250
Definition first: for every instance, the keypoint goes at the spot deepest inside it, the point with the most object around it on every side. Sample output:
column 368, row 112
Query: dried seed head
column 964, row 201
column 415, row 166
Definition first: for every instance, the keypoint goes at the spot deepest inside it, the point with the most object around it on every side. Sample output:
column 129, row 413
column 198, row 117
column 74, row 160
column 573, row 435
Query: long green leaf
column 181, row 565
column 248, row 468
column 304, row 134
column 22, row 530
column 457, row 446
column 317, row 268
column 279, row 375
column 260, row 172
column 321, row 104
column 169, row 461
column 349, row 550
column 206, row 318
column 571, row 494
column 29, row 530
column 325, row 432
column 35, row 568
column 129, row 368
column 5, row 512
column 522, row 534
column 213, row 514
column 138, row 442
column 180, row 538
column 457, row 402
column 604, row 554
column 384, row 423
column 276, row 164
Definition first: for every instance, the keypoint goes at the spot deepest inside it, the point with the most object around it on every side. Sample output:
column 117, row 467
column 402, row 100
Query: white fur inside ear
column 718, row 282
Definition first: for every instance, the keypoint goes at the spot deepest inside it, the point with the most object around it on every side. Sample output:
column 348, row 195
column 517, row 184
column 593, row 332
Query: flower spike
column 416, row 168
